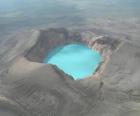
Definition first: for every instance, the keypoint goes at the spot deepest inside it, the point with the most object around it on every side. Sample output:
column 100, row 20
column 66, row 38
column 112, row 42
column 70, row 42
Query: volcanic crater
column 33, row 86
column 51, row 38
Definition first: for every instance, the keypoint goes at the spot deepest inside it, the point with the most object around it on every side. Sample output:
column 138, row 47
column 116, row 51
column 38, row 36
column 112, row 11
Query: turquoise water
column 76, row 60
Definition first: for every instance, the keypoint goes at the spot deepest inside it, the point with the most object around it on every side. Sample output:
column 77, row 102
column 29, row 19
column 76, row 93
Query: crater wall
column 51, row 38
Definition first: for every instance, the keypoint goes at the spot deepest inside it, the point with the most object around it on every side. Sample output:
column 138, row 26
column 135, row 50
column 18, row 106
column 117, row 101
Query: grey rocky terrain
column 30, row 88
